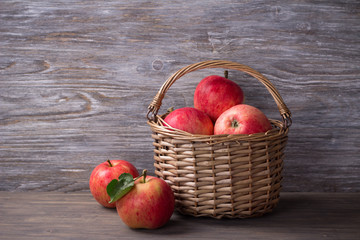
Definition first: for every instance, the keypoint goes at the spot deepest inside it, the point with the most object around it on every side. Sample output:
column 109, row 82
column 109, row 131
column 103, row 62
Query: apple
column 102, row 175
column 190, row 120
column 215, row 94
column 242, row 119
column 149, row 204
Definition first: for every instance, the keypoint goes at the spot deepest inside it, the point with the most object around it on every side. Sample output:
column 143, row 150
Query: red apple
column 215, row 94
column 149, row 204
column 242, row 119
column 102, row 175
column 190, row 120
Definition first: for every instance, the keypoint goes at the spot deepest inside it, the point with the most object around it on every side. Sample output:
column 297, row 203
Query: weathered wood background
column 76, row 78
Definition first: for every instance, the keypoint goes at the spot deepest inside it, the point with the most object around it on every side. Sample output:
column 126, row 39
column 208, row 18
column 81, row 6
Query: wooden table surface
column 56, row 215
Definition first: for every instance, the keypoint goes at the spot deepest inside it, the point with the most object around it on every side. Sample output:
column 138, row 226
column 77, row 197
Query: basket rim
column 278, row 131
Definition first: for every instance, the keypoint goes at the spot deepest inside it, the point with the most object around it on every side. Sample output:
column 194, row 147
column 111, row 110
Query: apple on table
column 103, row 174
column 144, row 202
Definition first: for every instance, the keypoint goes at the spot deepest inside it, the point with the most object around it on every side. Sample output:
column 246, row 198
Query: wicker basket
column 234, row 176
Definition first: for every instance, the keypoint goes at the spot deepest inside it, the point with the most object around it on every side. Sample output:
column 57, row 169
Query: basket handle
column 156, row 102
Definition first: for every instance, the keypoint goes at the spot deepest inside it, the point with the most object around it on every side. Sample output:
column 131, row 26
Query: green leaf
column 116, row 189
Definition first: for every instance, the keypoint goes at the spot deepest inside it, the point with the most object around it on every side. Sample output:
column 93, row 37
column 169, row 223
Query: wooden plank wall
column 76, row 78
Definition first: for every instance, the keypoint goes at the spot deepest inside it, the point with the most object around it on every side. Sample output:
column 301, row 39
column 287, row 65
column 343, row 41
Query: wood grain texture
column 55, row 215
column 76, row 78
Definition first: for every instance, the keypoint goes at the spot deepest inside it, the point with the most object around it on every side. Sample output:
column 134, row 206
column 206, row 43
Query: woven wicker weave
column 234, row 176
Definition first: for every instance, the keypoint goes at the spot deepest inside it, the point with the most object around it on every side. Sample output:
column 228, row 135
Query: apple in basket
column 103, row 174
column 215, row 94
column 242, row 119
column 144, row 202
column 190, row 120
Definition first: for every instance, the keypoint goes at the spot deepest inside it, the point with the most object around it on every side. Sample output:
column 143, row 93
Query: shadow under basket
column 233, row 176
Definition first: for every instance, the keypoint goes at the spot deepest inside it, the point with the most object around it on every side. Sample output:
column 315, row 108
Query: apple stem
column 144, row 174
column 109, row 163
column 226, row 73
column 234, row 124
